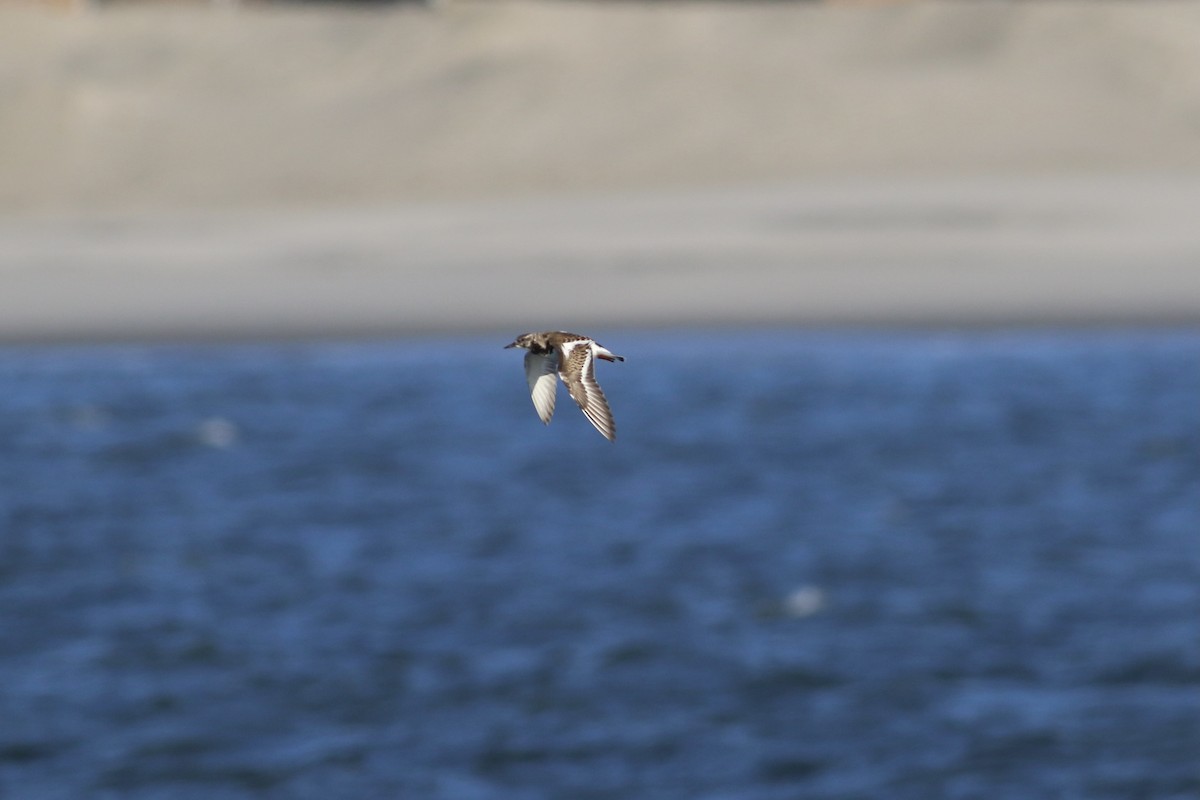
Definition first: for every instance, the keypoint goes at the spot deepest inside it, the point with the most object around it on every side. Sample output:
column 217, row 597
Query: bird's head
column 524, row 340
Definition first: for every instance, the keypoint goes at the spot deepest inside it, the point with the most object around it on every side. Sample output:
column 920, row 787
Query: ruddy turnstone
column 573, row 358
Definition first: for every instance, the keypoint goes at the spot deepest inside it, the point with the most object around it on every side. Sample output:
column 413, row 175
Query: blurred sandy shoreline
column 282, row 171
column 1018, row 251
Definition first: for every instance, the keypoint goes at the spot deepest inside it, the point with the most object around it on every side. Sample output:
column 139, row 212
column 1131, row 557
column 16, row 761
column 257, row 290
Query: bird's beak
column 507, row 346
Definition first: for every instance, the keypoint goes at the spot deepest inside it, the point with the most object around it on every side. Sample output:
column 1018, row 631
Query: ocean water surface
column 876, row 565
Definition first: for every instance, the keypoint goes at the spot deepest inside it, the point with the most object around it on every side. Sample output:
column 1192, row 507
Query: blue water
column 812, row 565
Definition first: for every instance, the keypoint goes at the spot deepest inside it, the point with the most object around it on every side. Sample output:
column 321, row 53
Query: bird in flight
column 556, row 354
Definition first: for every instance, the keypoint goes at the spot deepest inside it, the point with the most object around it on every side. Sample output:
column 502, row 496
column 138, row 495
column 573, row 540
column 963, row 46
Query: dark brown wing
column 578, row 371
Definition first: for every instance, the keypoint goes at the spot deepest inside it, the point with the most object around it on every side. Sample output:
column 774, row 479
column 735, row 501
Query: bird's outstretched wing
column 578, row 372
column 540, row 371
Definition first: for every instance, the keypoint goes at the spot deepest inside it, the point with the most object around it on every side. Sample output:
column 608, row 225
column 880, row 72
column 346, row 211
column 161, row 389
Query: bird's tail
column 602, row 352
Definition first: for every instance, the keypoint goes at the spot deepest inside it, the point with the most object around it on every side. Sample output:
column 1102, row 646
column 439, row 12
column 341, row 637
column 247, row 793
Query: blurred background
column 905, row 497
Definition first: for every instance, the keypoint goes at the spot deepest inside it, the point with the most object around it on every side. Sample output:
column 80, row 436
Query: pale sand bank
column 144, row 107
column 281, row 170
column 1111, row 250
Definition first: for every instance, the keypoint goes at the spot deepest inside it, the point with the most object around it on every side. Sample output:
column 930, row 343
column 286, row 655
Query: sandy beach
column 200, row 171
